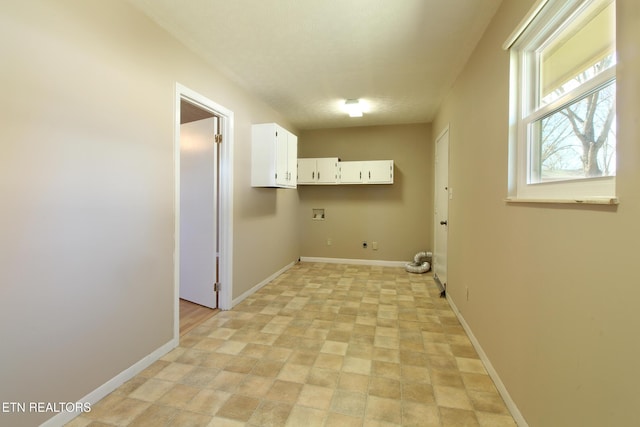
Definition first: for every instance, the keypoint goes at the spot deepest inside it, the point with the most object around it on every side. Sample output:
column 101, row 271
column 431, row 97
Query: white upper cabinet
column 366, row 172
column 350, row 173
column 378, row 172
column 318, row 171
column 274, row 154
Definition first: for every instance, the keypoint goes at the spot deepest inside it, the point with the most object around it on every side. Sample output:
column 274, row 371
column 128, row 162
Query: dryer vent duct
column 421, row 263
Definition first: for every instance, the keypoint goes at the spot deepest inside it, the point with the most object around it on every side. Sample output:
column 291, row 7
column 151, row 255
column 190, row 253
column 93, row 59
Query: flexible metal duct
column 418, row 265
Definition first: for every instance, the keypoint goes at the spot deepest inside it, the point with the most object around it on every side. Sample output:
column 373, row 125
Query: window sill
column 586, row 201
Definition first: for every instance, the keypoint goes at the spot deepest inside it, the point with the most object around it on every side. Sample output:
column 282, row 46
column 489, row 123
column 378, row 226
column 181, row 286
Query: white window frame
column 546, row 18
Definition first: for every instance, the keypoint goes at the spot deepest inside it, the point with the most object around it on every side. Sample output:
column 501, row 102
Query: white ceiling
column 305, row 57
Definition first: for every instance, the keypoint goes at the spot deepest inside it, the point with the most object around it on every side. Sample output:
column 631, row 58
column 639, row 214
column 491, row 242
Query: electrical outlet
column 329, row 242
column 364, row 245
column 374, row 246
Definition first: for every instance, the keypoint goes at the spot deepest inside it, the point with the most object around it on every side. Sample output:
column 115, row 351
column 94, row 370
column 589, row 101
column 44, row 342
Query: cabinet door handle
column 313, row 175
column 318, row 175
column 369, row 174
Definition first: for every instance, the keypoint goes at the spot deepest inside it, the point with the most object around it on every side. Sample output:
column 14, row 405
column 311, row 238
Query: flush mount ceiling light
column 353, row 107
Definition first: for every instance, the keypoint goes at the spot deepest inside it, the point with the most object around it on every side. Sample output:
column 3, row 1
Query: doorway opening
column 203, row 225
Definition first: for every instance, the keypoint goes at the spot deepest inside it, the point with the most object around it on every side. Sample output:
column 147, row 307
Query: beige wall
column 87, row 187
column 399, row 216
column 553, row 289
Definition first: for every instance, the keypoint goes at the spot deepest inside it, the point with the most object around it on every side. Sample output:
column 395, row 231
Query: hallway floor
column 321, row 345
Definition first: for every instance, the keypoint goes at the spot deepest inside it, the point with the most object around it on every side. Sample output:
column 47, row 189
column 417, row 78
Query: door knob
column 443, row 222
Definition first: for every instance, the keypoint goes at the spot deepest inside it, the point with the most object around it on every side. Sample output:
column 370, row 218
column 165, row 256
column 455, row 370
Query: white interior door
column 441, row 211
column 198, row 211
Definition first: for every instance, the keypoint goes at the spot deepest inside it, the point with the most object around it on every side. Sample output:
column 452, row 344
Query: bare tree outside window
column 579, row 140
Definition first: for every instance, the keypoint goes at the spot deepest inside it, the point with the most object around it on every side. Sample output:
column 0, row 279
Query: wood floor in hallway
column 192, row 314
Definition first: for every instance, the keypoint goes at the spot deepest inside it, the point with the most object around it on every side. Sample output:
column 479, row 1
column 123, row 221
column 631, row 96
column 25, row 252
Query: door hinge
column 217, row 138
column 216, row 287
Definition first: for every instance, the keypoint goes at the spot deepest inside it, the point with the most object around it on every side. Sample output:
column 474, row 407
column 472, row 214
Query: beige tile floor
column 321, row 345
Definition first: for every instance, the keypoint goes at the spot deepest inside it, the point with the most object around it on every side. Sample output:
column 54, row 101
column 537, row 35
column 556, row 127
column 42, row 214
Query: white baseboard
column 64, row 417
column 511, row 405
column 355, row 261
column 106, row 388
column 257, row 287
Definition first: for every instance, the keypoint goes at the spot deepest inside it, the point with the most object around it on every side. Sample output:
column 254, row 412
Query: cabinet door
column 378, row 172
column 327, row 170
column 350, row 173
column 263, row 155
column 306, row 171
column 292, row 160
column 282, row 171
column 274, row 152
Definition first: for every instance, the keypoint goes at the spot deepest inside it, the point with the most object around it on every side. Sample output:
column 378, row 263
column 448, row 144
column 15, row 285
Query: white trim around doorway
column 226, row 198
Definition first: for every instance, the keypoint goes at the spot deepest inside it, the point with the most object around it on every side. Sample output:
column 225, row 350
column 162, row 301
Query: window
column 563, row 103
